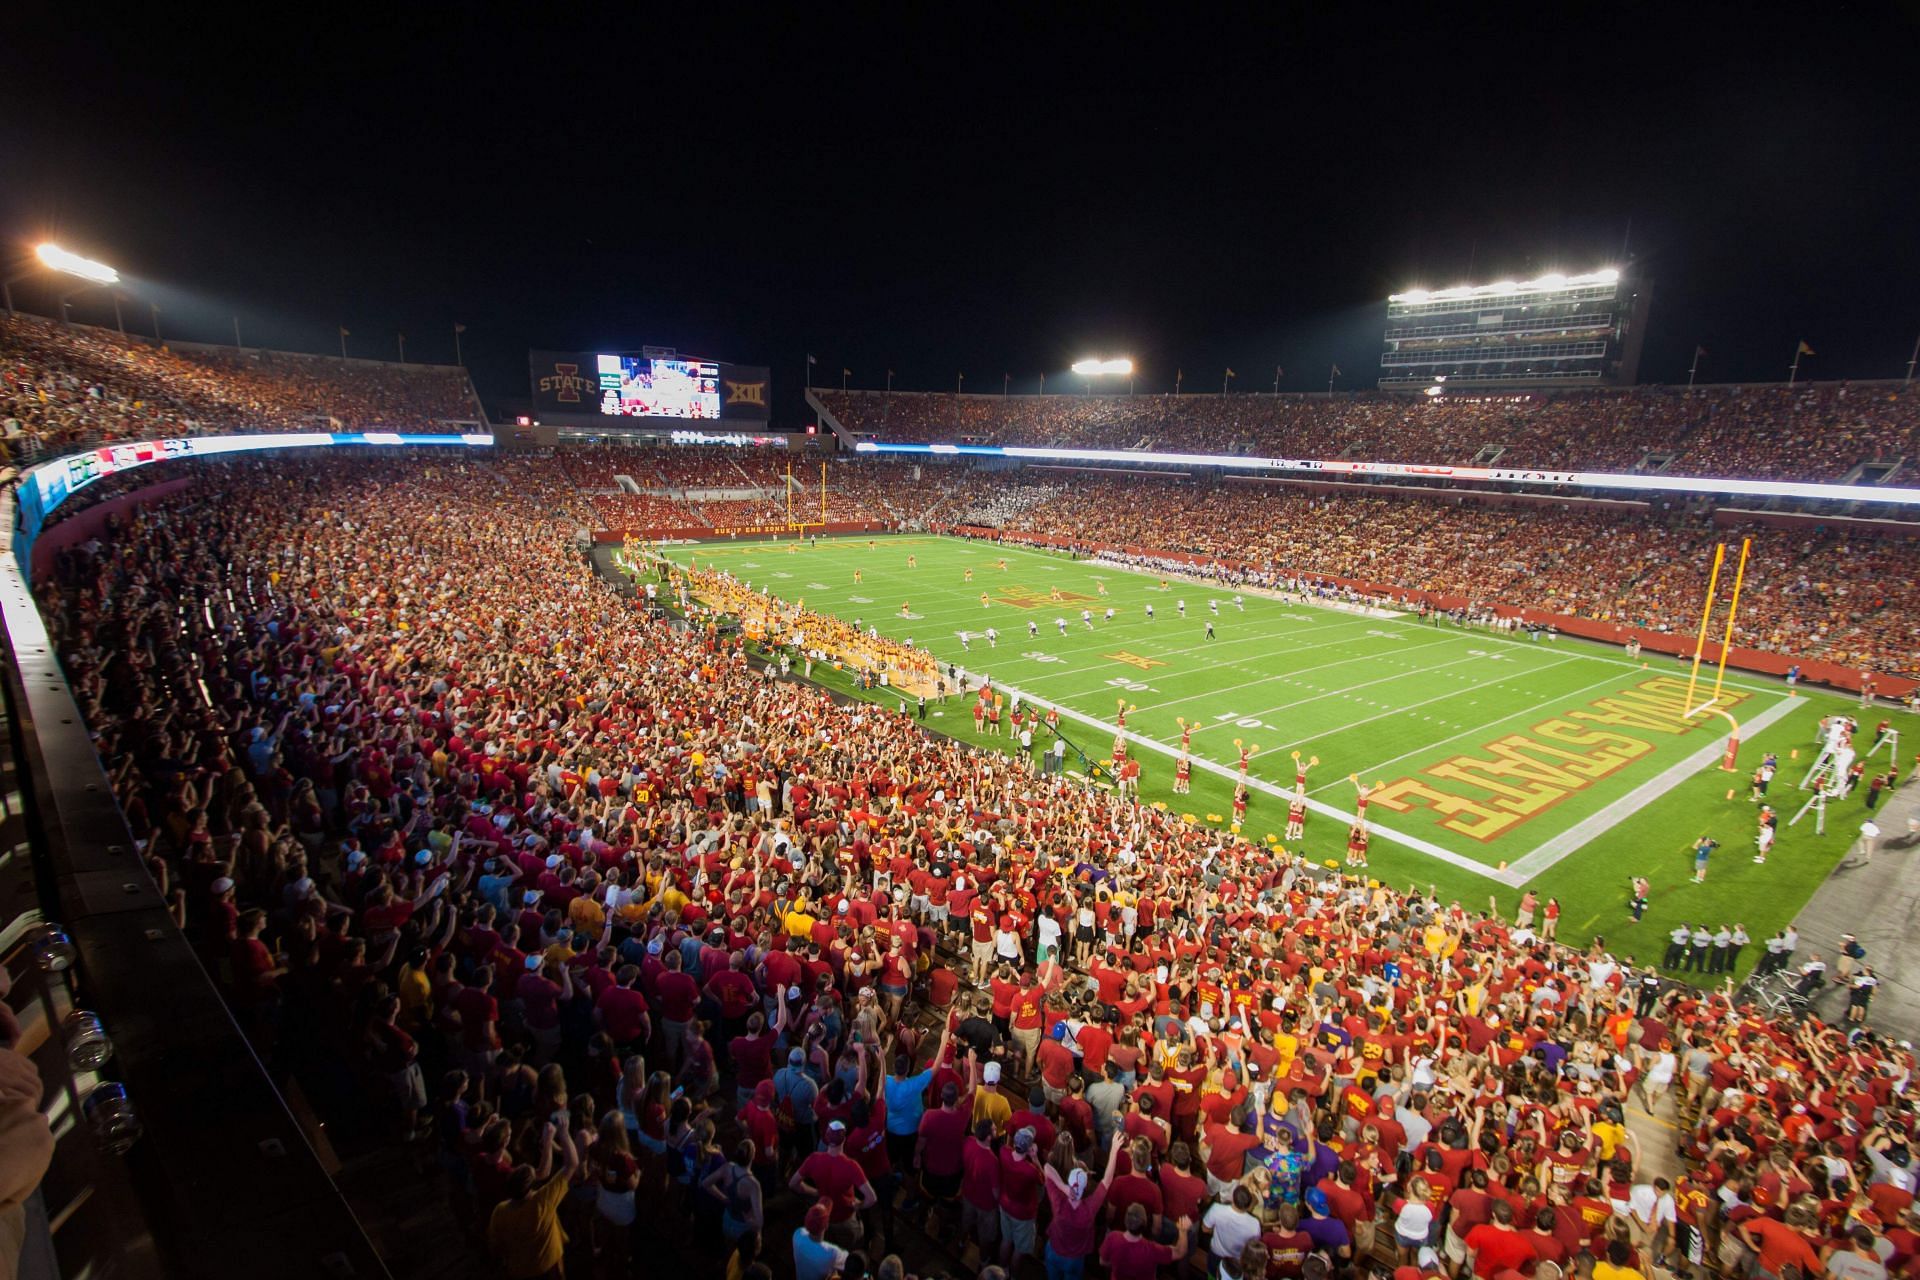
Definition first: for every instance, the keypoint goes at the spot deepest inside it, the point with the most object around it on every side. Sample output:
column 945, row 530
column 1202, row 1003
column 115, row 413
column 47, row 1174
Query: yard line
column 1482, row 728
column 1546, row 855
column 1214, row 646
column 1395, row 711
column 1260, row 784
column 1330, row 693
column 1363, row 657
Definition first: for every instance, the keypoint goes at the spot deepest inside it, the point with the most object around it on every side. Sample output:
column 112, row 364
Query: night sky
column 964, row 190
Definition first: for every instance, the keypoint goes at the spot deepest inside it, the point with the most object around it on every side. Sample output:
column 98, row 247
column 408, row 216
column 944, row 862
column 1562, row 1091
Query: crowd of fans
column 1814, row 431
column 1810, row 591
column 64, row 385
column 662, row 957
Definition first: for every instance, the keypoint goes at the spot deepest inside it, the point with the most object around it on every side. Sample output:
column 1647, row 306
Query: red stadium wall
column 703, row 533
column 1813, row 671
column 76, row 529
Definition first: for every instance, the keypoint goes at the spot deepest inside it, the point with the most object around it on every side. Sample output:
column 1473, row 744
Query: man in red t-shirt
column 1019, row 1197
column 1056, row 1063
column 679, row 995
column 831, row 1174
column 1494, row 1246
column 1029, row 1011
column 1224, row 1148
column 622, row 1011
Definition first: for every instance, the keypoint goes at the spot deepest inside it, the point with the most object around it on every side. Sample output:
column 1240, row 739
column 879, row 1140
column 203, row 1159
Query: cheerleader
column 1357, row 845
column 1296, row 818
column 1182, row 775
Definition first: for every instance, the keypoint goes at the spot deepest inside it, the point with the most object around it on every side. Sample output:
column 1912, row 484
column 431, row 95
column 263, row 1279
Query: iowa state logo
column 566, row 383
column 746, row 393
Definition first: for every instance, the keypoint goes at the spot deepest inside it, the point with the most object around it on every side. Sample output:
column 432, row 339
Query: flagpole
column 843, row 379
column 343, row 342
column 1043, row 384
column 1694, row 369
column 889, row 382
column 809, row 370
column 1911, row 360
column 457, row 357
column 1178, row 376
column 1276, row 379
column 1793, row 372
column 1225, row 378
column 403, row 346
column 1332, row 370
column 236, row 335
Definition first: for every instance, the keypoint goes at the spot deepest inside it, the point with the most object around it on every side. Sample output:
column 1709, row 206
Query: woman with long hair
column 614, row 1174
column 737, row 1190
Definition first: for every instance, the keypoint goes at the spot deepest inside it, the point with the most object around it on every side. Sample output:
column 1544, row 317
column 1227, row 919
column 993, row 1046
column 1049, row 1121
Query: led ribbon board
column 1420, row 470
column 46, row 486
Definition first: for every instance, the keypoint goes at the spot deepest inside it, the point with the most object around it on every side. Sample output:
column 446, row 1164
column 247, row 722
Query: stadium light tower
column 1094, row 367
column 58, row 259
column 53, row 258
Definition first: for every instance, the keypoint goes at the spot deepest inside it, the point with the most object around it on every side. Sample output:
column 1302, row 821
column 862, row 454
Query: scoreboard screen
column 638, row 387
column 624, row 385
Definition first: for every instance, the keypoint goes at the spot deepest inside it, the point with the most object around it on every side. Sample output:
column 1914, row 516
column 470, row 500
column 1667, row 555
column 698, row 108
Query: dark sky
column 967, row 190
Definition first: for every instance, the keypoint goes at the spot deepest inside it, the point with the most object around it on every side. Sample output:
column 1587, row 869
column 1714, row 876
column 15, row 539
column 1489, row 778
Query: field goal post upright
column 797, row 523
column 1729, row 761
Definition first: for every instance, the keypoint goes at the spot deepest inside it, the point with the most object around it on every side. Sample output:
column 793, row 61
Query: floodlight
column 53, row 256
column 1093, row 367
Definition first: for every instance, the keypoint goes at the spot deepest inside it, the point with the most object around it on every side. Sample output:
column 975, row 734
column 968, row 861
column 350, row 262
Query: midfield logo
column 1034, row 598
column 566, row 383
column 1134, row 660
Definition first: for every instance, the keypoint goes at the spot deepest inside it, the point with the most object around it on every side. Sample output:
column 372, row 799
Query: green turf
column 1386, row 698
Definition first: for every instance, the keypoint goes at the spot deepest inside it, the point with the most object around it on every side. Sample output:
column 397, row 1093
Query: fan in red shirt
column 1495, row 1246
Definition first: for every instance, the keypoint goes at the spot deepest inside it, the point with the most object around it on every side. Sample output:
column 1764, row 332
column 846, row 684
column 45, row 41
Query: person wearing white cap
column 1076, row 1215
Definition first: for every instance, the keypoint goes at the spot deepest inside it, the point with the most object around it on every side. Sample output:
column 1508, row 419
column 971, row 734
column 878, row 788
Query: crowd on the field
column 662, row 958
column 1813, row 431
column 62, row 386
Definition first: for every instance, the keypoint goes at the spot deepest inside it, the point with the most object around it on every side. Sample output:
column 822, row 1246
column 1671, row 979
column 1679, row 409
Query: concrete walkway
column 1878, row 901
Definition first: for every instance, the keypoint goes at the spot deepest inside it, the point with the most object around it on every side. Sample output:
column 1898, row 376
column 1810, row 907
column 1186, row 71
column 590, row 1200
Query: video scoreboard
column 616, row 384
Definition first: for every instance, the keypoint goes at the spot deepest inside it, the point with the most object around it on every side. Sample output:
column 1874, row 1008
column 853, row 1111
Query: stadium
column 570, row 806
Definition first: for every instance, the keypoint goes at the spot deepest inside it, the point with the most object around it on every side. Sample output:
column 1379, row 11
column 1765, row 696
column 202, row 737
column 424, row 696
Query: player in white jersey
column 1213, row 607
column 1061, row 623
column 1238, row 603
column 964, row 645
column 1033, row 629
column 993, row 638
column 1086, row 616
column 1108, row 618
column 1182, row 606
column 1149, row 613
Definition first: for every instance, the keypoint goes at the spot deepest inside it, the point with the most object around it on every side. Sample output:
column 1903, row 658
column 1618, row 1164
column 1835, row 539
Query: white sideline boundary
column 1346, row 816
column 1539, row 859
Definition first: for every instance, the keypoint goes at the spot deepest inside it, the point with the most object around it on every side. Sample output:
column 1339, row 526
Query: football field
column 1495, row 761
